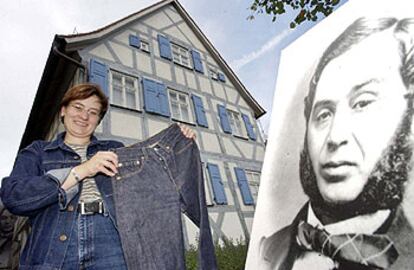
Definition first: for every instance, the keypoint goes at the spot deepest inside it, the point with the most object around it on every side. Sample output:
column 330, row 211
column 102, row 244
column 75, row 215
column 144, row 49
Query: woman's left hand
column 188, row 132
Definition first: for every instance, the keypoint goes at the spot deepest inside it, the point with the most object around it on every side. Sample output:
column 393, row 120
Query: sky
column 27, row 29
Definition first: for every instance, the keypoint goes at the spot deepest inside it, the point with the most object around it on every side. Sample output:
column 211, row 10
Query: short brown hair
column 84, row 91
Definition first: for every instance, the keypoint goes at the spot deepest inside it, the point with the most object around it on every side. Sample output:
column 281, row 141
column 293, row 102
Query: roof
column 59, row 69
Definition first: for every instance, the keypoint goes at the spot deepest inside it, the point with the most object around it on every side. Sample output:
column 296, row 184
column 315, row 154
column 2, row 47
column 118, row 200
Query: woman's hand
column 105, row 162
column 188, row 132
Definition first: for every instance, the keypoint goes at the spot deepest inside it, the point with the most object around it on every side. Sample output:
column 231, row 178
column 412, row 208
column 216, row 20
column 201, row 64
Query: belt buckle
column 83, row 211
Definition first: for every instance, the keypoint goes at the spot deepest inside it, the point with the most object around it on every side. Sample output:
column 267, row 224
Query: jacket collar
column 59, row 142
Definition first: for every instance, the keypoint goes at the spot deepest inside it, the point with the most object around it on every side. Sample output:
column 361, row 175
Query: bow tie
column 375, row 250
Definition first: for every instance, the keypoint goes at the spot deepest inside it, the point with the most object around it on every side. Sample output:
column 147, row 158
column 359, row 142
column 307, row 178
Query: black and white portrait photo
column 336, row 189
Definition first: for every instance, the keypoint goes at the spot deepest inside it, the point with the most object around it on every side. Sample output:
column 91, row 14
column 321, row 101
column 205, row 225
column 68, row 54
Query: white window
column 180, row 106
column 235, row 123
column 213, row 74
column 124, row 90
column 181, row 55
column 253, row 178
column 145, row 46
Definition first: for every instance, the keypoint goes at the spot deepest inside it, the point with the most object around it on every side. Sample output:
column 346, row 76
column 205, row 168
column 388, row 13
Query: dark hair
column 84, row 91
column 355, row 33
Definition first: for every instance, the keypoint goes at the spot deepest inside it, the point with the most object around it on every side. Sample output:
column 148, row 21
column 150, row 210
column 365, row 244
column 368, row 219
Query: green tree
column 231, row 255
column 305, row 10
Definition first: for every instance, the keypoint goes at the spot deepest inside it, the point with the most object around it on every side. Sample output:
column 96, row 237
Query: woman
column 72, row 217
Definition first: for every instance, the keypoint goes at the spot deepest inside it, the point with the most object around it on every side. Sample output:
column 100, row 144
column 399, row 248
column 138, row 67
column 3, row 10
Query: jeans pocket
column 128, row 168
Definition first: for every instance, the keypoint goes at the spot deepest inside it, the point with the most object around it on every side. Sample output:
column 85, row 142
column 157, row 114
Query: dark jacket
column 33, row 190
column 279, row 251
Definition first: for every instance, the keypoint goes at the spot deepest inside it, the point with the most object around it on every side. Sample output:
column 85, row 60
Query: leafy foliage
column 230, row 256
column 305, row 10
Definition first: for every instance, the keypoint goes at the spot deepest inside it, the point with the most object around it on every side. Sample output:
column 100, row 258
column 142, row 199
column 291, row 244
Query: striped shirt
column 90, row 192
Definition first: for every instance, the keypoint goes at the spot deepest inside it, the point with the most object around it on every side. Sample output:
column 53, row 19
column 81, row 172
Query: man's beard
column 384, row 188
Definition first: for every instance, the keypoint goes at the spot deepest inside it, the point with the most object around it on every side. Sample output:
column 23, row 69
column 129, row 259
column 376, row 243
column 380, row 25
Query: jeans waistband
column 165, row 139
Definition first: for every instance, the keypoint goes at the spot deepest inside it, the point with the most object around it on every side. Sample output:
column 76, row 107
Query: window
column 253, row 178
column 124, row 90
column 180, row 55
column 180, row 106
column 213, row 74
column 145, row 46
column 235, row 122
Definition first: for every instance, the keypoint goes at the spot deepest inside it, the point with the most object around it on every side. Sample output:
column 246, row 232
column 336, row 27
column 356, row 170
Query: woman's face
column 81, row 117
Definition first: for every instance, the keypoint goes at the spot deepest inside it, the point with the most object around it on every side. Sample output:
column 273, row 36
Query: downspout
column 74, row 61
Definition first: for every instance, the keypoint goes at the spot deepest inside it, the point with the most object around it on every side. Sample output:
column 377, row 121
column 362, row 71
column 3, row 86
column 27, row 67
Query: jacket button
column 71, row 208
column 63, row 238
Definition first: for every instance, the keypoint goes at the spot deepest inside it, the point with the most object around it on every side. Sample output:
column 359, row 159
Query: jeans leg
column 106, row 250
column 71, row 261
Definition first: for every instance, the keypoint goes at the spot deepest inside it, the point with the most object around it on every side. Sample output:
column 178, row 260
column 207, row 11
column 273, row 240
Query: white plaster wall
column 219, row 90
column 124, row 54
column 143, row 61
column 232, row 94
column 190, row 79
column 192, row 37
column 232, row 227
column 192, row 231
column 102, row 52
column 163, row 69
column 120, row 120
column 155, row 126
column 210, row 142
column 205, row 85
column 179, row 75
column 246, row 148
column 158, row 20
column 229, row 147
column 140, row 27
column 172, row 13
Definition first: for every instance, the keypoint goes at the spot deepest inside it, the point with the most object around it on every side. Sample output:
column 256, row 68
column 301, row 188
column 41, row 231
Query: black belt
column 90, row 208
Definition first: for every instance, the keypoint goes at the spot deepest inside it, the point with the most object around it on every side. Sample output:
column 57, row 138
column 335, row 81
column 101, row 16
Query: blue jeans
column 158, row 179
column 94, row 245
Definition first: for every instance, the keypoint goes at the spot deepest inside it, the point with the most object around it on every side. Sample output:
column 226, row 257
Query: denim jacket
column 33, row 190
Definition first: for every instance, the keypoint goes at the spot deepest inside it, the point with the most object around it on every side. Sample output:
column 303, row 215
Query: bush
column 230, row 255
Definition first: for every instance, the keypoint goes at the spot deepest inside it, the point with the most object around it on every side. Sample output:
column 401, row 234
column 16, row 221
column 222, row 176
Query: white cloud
column 268, row 46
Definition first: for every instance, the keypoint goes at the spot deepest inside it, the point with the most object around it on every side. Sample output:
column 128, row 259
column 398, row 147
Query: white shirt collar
column 366, row 224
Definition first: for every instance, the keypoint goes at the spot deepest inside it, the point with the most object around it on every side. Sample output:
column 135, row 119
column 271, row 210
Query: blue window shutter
column 165, row 47
column 244, row 186
column 199, row 111
column 134, row 41
column 164, row 106
column 198, row 64
column 249, row 127
column 98, row 73
column 216, row 182
column 150, row 95
column 224, row 119
column 221, row 77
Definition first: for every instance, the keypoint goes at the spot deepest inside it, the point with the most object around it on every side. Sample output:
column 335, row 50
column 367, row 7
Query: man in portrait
column 356, row 157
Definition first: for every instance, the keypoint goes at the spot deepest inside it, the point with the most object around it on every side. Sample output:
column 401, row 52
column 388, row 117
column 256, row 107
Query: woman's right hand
column 105, row 162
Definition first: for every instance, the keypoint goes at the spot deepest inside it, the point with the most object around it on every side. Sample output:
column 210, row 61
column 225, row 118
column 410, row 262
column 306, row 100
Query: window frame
column 145, row 43
column 213, row 74
column 237, row 131
column 177, row 56
column 191, row 119
column 124, row 76
column 253, row 184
